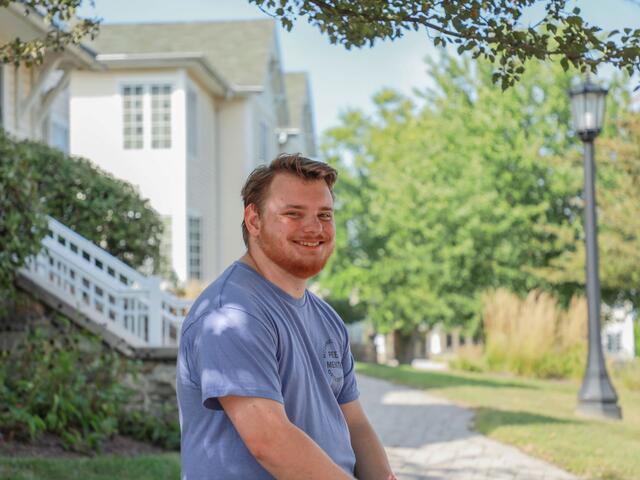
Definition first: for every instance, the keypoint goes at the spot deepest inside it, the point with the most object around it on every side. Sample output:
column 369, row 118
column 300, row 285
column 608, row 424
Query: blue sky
column 340, row 79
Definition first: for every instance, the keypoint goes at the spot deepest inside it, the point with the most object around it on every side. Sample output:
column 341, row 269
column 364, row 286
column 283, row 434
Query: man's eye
column 326, row 216
column 292, row 214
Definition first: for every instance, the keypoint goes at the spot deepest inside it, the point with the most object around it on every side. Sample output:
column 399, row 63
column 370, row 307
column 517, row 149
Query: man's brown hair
column 257, row 185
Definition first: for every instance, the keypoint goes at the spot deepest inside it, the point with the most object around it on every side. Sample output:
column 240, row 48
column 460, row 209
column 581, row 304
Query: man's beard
column 291, row 260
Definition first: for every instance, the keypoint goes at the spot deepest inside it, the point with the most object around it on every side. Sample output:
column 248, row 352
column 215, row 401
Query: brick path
column 427, row 438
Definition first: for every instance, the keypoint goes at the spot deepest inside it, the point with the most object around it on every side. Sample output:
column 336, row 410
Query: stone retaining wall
column 155, row 381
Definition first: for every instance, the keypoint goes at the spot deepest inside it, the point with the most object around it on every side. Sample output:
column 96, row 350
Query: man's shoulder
column 234, row 290
column 322, row 303
column 328, row 311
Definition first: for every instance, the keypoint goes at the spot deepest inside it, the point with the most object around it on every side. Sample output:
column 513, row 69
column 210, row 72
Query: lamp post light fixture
column 597, row 396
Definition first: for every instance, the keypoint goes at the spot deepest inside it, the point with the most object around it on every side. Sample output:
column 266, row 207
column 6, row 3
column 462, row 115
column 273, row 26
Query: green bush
column 36, row 179
column 67, row 384
column 93, row 203
column 566, row 363
column 468, row 364
column 159, row 428
column 626, row 374
column 22, row 224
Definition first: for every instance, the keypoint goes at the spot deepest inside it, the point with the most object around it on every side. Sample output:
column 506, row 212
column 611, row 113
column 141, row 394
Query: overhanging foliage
column 491, row 29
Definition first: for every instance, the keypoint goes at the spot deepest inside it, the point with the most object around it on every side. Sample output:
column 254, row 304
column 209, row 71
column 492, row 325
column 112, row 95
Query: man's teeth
column 309, row 244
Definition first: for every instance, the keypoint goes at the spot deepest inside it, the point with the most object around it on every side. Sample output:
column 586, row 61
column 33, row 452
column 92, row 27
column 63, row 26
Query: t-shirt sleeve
column 236, row 355
column 349, row 391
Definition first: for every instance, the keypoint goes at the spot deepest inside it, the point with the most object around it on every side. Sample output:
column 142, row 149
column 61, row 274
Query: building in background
column 185, row 111
column 34, row 101
column 618, row 340
column 298, row 135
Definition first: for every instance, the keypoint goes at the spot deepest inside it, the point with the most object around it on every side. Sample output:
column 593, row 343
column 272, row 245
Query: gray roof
column 238, row 50
column 296, row 85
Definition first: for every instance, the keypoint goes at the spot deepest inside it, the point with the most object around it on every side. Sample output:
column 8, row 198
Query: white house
column 618, row 339
column 34, row 100
column 299, row 135
column 185, row 111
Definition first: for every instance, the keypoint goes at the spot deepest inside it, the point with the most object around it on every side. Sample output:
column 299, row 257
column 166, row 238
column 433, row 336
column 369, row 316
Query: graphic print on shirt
column 333, row 363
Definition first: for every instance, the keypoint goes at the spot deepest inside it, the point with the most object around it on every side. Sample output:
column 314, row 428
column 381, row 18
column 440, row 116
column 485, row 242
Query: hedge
column 36, row 179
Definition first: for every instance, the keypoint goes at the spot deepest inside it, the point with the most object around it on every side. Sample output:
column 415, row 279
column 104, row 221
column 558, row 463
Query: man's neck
column 294, row 286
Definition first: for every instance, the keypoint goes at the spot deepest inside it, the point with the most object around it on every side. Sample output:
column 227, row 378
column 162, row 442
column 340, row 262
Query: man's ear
column 252, row 219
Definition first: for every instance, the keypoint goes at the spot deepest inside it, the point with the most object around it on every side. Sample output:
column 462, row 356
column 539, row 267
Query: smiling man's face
column 297, row 230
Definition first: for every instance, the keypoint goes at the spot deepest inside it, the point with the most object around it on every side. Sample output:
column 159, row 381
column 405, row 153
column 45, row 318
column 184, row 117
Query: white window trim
column 145, row 83
column 161, row 110
column 145, row 110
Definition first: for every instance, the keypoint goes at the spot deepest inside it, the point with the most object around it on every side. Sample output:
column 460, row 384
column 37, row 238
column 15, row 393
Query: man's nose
column 312, row 224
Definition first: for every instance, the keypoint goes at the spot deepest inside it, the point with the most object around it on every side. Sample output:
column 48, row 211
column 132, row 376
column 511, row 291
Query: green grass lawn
column 147, row 467
column 538, row 417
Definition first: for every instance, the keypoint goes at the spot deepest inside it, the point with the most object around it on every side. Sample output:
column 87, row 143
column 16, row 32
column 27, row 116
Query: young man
column 266, row 382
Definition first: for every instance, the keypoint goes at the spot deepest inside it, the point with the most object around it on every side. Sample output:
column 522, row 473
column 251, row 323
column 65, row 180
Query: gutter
column 169, row 59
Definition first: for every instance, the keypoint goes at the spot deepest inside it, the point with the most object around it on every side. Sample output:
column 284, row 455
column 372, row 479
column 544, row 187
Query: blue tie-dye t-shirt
column 245, row 336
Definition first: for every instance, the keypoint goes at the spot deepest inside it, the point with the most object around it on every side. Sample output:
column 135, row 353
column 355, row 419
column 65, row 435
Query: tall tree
column 618, row 201
column 448, row 199
column 493, row 29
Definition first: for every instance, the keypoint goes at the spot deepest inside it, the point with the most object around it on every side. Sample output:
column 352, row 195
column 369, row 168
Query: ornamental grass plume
column 534, row 336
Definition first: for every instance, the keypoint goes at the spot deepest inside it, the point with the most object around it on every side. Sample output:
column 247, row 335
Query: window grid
column 195, row 251
column 133, row 117
column 614, row 342
column 161, row 116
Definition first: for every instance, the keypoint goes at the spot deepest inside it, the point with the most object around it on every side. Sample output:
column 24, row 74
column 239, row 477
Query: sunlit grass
column 538, row 417
column 147, row 467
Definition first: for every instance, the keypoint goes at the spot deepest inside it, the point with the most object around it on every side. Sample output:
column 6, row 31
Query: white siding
column 201, row 177
column 237, row 158
column 265, row 123
column 96, row 118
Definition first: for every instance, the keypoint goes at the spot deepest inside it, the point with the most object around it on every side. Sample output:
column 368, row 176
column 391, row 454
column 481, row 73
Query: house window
column 161, row 116
column 133, row 118
column 614, row 342
column 192, row 123
column 195, row 248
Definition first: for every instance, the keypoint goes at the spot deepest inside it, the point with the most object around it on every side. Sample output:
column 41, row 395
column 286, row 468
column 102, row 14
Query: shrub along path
column 431, row 438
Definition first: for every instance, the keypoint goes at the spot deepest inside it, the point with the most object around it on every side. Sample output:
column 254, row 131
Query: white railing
column 107, row 291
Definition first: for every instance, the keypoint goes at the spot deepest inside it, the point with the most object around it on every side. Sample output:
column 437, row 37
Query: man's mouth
column 308, row 244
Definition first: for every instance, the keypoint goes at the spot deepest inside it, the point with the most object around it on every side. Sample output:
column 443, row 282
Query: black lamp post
column 597, row 396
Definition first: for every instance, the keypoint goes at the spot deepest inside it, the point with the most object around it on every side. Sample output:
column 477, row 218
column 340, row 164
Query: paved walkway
column 427, row 438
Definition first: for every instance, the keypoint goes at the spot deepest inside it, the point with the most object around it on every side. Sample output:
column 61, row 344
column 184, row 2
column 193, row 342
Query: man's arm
column 284, row 450
column 371, row 459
